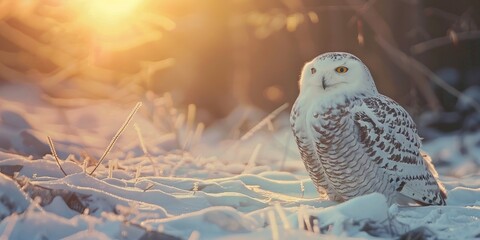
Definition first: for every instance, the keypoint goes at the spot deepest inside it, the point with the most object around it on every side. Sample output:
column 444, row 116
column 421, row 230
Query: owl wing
column 389, row 136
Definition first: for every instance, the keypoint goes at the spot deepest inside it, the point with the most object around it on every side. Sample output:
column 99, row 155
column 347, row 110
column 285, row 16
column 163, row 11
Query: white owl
column 354, row 140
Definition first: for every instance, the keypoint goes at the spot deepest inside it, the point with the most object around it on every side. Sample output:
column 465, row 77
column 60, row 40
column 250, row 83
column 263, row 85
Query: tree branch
column 442, row 41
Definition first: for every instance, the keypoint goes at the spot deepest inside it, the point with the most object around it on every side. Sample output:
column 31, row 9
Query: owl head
column 337, row 73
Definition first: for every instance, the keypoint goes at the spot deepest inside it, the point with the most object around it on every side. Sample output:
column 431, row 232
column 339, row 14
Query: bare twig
column 54, row 153
column 117, row 135
column 443, row 14
column 406, row 63
column 410, row 62
column 385, row 40
column 441, row 41
column 373, row 18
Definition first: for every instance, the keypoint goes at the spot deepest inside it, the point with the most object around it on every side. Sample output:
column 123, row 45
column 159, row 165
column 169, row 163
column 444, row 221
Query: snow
column 12, row 199
column 219, row 186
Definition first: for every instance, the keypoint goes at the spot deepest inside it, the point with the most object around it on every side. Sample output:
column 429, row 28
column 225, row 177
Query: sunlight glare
column 109, row 16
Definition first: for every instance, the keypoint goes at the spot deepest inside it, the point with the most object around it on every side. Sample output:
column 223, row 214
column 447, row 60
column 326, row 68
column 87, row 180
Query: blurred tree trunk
column 383, row 33
column 241, row 75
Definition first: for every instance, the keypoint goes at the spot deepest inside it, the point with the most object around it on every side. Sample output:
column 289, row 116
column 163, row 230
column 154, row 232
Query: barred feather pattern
column 363, row 144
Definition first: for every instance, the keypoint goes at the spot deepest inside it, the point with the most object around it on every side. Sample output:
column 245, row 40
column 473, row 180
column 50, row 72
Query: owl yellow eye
column 341, row 69
column 313, row 70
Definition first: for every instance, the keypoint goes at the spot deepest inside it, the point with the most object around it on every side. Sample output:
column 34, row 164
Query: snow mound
column 12, row 199
column 172, row 182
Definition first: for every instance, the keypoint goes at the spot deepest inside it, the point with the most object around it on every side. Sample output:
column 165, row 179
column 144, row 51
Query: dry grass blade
column 197, row 135
column 300, row 218
column 191, row 114
column 285, row 152
column 8, row 229
column 54, row 153
column 273, row 224
column 144, row 148
column 283, row 216
column 302, row 188
column 117, row 135
column 304, row 221
column 264, row 122
column 140, row 138
column 194, row 236
column 253, row 158
column 193, row 137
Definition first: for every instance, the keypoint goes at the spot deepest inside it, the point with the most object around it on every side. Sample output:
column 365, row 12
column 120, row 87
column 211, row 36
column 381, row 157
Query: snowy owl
column 354, row 140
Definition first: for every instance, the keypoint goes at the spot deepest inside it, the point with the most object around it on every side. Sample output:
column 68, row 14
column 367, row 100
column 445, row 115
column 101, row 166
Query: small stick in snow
column 54, row 153
column 149, row 186
column 117, row 135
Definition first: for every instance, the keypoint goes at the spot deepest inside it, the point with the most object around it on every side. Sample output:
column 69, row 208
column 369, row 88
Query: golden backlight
column 118, row 25
column 108, row 17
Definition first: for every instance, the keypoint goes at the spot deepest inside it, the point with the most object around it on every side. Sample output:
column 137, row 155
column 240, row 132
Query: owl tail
column 428, row 162
column 424, row 189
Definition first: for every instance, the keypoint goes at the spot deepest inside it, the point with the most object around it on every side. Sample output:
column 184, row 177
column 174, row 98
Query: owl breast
column 331, row 149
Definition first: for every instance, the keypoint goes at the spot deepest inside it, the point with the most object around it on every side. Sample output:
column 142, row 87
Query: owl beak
column 324, row 83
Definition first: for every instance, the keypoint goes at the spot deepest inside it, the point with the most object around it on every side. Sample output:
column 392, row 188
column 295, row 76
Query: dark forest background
column 220, row 54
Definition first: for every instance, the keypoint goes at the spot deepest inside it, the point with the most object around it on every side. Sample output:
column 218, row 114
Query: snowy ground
column 194, row 184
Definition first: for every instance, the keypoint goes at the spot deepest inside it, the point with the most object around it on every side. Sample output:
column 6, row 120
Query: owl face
column 337, row 73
